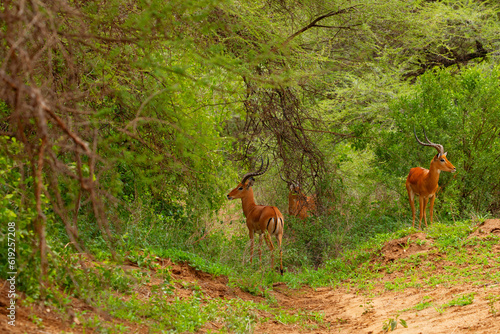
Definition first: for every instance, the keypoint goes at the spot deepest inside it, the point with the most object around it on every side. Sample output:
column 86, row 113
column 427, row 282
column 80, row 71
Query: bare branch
column 314, row 24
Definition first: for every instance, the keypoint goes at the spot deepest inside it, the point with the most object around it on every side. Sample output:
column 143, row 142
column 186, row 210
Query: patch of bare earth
column 345, row 311
column 406, row 246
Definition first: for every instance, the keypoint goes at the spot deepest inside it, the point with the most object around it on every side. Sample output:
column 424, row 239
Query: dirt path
column 351, row 313
column 344, row 311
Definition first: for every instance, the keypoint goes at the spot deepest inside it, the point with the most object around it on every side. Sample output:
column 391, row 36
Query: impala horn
column 438, row 147
column 259, row 172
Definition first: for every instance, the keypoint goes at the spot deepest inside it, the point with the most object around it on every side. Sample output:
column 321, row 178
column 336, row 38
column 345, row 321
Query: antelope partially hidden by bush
column 263, row 220
column 299, row 205
column 424, row 182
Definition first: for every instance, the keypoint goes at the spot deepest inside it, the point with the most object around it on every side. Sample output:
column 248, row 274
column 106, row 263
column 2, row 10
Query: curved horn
column 438, row 147
column 259, row 172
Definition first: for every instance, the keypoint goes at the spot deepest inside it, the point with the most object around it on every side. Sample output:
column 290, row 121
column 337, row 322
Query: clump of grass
column 461, row 300
column 492, row 299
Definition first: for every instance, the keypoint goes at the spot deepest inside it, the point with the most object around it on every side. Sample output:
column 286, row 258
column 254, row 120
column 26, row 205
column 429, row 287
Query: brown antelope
column 424, row 182
column 299, row 205
column 261, row 219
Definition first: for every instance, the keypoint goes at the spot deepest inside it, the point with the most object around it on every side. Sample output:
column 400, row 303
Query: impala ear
column 250, row 182
column 439, row 155
column 445, row 153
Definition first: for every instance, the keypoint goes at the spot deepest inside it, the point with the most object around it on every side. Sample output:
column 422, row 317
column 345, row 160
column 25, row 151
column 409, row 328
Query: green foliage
column 17, row 211
column 461, row 300
column 392, row 323
column 449, row 236
column 313, row 241
column 11, row 178
column 425, row 303
column 303, row 318
column 194, row 260
column 492, row 299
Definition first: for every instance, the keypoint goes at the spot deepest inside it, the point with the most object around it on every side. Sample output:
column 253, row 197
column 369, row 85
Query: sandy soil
column 345, row 311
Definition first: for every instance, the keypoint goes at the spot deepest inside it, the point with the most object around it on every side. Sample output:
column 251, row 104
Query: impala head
column 294, row 187
column 439, row 159
column 246, row 182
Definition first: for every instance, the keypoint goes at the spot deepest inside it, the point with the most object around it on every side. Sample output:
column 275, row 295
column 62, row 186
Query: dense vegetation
column 124, row 123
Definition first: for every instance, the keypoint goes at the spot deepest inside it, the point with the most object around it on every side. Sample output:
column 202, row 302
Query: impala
column 261, row 219
column 299, row 205
column 424, row 182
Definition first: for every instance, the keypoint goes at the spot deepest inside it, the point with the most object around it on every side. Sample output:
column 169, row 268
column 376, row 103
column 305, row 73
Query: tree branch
column 314, row 24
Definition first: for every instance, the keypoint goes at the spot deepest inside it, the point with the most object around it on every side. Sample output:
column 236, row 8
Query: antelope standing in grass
column 424, row 182
column 261, row 219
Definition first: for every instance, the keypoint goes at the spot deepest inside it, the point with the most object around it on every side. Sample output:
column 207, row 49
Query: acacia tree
column 281, row 92
column 319, row 73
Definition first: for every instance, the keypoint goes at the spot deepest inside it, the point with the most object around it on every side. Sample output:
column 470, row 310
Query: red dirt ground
column 345, row 311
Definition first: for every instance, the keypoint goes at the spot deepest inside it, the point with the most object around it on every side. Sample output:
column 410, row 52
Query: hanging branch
column 446, row 58
column 314, row 24
column 276, row 114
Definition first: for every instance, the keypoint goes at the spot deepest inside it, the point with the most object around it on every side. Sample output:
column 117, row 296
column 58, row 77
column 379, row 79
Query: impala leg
column 251, row 246
column 422, row 211
column 425, row 216
column 260, row 248
column 278, row 237
column 431, row 207
column 272, row 260
column 411, row 196
column 269, row 243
